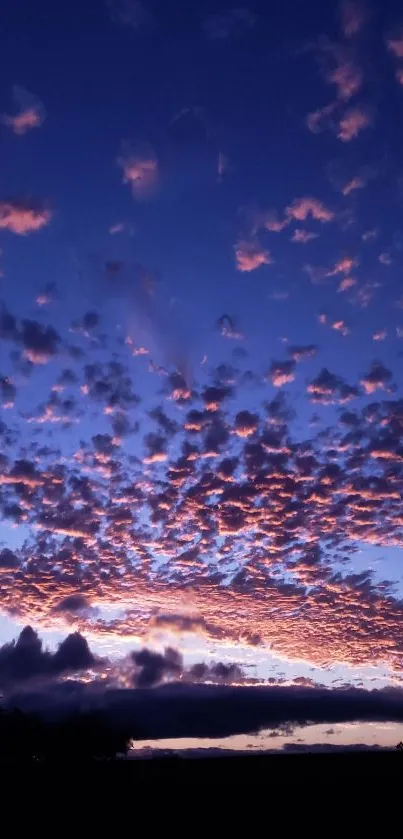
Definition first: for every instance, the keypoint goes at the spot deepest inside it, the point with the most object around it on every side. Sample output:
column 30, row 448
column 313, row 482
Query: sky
column 201, row 327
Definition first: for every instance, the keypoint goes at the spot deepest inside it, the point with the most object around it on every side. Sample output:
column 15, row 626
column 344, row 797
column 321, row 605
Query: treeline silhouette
column 81, row 737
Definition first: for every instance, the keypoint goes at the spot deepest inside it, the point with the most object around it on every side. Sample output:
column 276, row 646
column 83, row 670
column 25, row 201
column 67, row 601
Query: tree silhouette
column 80, row 737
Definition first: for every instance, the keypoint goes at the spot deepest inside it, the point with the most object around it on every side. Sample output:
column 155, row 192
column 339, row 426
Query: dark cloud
column 282, row 372
column 328, row 388
column 8, row 392
column 72, row 603
column 378, row 378
column 40, row 343
column 153, row 668
column 8, row 560
column 25, row 658
column 300, row 353
column 182, row 710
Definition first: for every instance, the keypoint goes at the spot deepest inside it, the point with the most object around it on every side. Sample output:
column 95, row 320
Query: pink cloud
column 319, row 120
column 353, row 17
column 308, row 207
column 353, row 122
column 303, row 236
column 343, row 266
column 30, row 113
column 274, row 224
column 395, row 45
column 141, row 171
column 355, row 183
column 399, row 75
column 340, row 326
column 250, row 255
column 21, row 218
column 346, row 283
column 348, row 79
column 23, row 122
column 116, row 228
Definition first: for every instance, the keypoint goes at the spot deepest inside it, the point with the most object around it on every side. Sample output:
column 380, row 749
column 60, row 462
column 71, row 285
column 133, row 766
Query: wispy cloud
column 353, row 15
column 30, row 112
column 140, row 170
column 357, row 182
column 229, row 24
column 130, row 13
column 301, row 236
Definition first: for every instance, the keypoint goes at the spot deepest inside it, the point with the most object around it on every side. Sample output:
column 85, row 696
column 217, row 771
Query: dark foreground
column 253, row 769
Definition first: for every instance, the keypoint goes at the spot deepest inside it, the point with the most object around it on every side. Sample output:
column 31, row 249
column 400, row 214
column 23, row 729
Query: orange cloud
column 21, row 218
column 250, row 255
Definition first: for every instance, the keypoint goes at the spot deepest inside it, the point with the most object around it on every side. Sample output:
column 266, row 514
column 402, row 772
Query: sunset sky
column 201, row 326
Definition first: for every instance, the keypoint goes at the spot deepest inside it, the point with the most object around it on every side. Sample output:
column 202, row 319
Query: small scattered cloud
column 30, row 112
column 140, row 170
column 8, row 392
column 226, row 325
column 378, row 378
column 353, row 122
column 347, row 78
column 282, row 372
column 342, row 266
column 246, row 424
column 321, row 119
column 23, row 217
column 301, row 353
column 116, row 228
column 346, row 283
column 340, row 326
column 380, row 335
column 301, row 236
column 353, row 16
column 395, row 44
column 303, row 208
column 250, row 255
column 357, row 182
column 329, row 389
